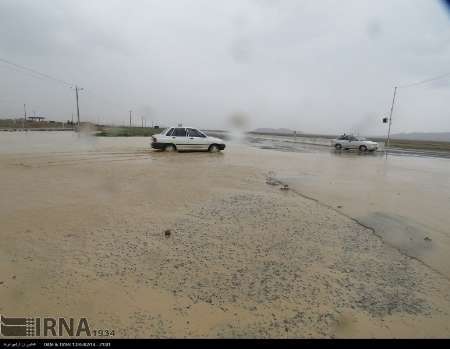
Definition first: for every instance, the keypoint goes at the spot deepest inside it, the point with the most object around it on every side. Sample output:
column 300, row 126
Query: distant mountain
column 279, row 131
column 424, row 136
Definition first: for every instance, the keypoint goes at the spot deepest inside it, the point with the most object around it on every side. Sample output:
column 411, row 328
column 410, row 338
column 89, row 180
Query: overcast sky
column 315, row 66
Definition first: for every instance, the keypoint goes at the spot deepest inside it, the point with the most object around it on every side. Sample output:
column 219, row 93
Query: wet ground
column 208, row 245
column 404, row 196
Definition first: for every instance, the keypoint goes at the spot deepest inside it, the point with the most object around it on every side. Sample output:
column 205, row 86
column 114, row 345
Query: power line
column 425, row 81
column 38, row 73
column 421, row 82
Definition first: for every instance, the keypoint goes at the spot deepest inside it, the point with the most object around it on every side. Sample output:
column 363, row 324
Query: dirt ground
column 82, row 232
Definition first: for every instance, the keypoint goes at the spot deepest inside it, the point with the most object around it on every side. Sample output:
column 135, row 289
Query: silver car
column 186, row 138
column 352, row 142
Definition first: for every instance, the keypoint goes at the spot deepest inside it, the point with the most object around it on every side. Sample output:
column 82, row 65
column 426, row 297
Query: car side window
column 179, row 132
column 169, row 133
column 195, row 133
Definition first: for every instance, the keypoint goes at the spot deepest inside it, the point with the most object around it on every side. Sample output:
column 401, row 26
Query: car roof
column 183, row 127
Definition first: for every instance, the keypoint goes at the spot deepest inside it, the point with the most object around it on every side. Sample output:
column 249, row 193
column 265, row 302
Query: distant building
column 36, row 118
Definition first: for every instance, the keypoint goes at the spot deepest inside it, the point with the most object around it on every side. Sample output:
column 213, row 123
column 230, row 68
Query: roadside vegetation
column 20, row 123
column 424, row 145
column 128, row 132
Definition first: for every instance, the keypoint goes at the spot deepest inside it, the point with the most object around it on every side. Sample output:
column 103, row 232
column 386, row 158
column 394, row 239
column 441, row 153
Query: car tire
column 362, row 148
column 338, row 146
column 170, row 148
column 213, row 148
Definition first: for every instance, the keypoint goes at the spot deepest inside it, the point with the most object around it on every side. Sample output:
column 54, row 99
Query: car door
column 343, row 141
column 352, row 143
column 179, row 137
column 358, row 142
column 197, row 140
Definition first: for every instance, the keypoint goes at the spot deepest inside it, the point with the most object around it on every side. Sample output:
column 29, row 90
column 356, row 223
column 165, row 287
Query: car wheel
column 338, row 146
column 170, row 148
column 362, row 148
column 213, row 148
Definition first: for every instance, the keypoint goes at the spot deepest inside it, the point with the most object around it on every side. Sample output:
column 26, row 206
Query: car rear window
column 179, row 132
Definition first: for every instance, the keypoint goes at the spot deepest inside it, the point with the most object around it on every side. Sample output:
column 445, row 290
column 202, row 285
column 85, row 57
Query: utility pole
column 24, row 115
column 130, row 117
column 390, row 117
column 142, row 121
column 78, row 108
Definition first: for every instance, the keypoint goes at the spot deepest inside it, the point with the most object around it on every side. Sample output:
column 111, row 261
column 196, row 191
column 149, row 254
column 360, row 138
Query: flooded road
column 356, row 247
column 17, row 143
column 304, row 144
column 405, row 199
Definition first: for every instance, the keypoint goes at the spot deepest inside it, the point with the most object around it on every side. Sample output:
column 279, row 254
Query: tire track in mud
column 74, row 160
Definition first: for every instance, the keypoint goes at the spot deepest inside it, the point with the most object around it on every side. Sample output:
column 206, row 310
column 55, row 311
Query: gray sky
column 316, row 66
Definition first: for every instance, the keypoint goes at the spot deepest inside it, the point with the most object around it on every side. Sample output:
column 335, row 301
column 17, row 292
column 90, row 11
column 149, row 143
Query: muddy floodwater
column 406, row 199
column 250, row 242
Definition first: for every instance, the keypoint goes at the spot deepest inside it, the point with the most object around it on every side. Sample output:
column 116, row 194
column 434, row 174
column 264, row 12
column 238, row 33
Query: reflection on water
column 315, row 145
column 302, row 145
column 66, row 142
column 45, row 142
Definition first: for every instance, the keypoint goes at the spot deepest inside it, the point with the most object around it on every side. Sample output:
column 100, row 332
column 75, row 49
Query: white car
column 351, row 142
column 186, row 138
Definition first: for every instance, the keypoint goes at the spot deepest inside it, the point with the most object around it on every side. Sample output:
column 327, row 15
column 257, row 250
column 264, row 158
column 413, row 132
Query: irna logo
column 44, row 327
